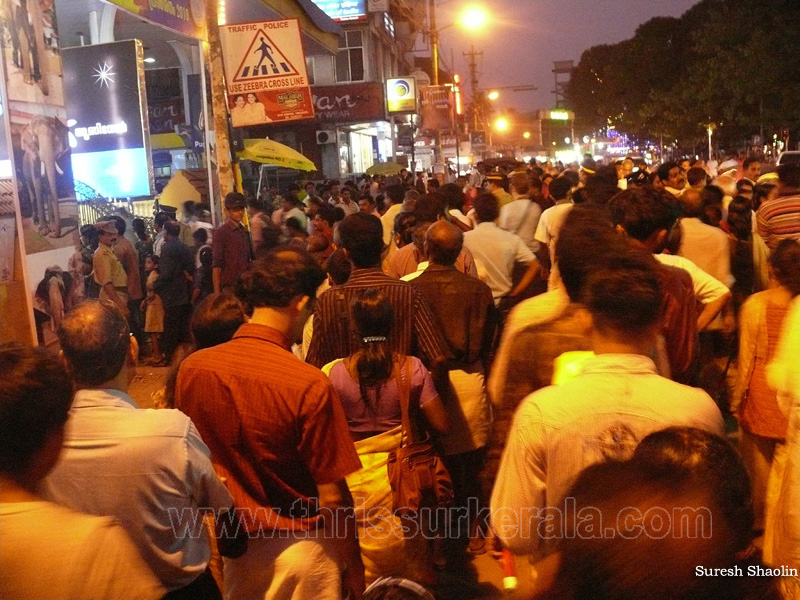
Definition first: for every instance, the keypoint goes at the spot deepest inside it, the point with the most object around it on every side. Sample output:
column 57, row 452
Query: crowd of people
column 580, row 358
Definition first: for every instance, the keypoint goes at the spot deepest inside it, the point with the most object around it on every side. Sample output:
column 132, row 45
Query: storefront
column 72, row 157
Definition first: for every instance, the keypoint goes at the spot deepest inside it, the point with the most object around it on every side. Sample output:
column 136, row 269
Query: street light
column 474, row 18
column 501, row 124
column 493, row 95
column 527, row 135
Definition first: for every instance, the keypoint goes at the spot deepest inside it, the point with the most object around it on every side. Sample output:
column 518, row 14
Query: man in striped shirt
column 415, row 332
column 779, row 219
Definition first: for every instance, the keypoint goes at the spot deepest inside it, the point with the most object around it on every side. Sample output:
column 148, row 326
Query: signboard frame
column 401, row 95
column 276, row 89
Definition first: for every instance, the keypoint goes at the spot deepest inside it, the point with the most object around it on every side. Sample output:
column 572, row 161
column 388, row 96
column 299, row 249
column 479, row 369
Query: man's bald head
column 691, row 202
column 443, row 243
column 95, row 341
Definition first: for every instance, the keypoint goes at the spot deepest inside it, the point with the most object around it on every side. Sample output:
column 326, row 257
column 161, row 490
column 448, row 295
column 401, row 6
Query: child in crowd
column 154, row 310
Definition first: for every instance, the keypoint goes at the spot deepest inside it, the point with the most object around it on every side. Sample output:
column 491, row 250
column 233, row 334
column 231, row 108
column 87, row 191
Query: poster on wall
column 266, row 73
column 108, row 128
column 38, row 132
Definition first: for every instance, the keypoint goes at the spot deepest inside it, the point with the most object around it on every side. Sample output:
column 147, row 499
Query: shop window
column 350, row 58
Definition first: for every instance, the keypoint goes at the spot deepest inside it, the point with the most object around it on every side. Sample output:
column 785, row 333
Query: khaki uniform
column 108, row 269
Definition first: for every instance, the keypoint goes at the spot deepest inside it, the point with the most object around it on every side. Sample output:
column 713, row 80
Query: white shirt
column 349, row 209
column 558, row 431
column 498, row 251
column 147, row 468
column 521, row 217
column 49, row 551
column 550, row 224
column 706, row 288
column 708, row 248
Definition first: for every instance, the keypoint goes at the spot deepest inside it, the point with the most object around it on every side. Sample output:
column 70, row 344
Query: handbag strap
column 404, row 393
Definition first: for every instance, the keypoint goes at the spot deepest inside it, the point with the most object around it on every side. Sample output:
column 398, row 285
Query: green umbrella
column 271, row 152
column 384, row 168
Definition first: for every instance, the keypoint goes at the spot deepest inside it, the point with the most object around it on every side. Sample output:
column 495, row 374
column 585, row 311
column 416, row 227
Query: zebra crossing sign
column 265, row 70
column 263, row 56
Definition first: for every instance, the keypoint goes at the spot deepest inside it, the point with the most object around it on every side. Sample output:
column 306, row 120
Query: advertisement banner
column 350, row 103
column 266, row 72
column 436, row 108
column 108, row 128
column 184, row 16
column 164, row 115
column 401, row 95
column 343, row 10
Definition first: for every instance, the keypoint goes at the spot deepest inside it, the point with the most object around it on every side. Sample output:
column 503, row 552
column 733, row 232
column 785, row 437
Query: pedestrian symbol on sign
column 263, row 60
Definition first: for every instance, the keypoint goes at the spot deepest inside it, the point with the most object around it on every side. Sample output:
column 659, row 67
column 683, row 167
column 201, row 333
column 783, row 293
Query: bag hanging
column 417, row 474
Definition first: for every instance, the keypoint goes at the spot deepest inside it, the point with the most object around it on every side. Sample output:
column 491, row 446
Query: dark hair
column 215, row 319
column 785, row 262
column 276, row 278
column 138, row 228
column 95, row 339
column 585, row 239
column 372, row 317
column 161, row 218
column 396, row 193
column 235, row 200
column 636, row 559
column 789, row 174
column 560, row 188
column 404, row 224
column 327, row 213
column 665, row 168
column 680, row 453
column 433, row 183
column 35, row 397
column 693, row 203
column 571, row 176
column 760, row 193
column 696, row 176
column 205, row 256
column 452, row 195
column 339, row 267
column 624, row 296
column 257, row 204
column 361, row 234
column 430, row 207
column 743, row 183
column 294, row 224
column 152, row 257
column 749, row 161
column 602, row 186
column 119, row 223
column 486, row 208
column 172, row 229
column 200, row 234
column 740, row 218
column 642, row 211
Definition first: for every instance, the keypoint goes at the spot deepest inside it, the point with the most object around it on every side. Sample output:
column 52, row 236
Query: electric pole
column 473, row 80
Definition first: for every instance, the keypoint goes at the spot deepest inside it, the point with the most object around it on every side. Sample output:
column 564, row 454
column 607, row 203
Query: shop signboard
column 184, row 16
column 401, row 95
column 405, row 136
column 266, row 72
column 343, row 10
column 350, row 103
column 165, row 114
column 107, row 118
column 478, row 139
column 436, row 108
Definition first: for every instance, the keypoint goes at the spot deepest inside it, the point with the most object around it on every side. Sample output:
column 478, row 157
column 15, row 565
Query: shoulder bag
column 417, row 474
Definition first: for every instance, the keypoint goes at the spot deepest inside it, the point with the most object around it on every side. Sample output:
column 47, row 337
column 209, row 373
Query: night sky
column 524, row 37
